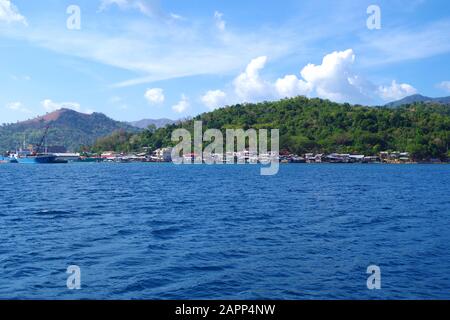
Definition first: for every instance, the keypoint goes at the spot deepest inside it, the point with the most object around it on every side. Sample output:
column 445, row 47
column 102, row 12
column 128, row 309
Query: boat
column 30, row 157
column 38, row 159
column 7, row 159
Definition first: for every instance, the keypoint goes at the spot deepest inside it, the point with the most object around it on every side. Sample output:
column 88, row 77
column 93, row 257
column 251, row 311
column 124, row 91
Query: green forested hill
column 67, row 128
column 315, row 125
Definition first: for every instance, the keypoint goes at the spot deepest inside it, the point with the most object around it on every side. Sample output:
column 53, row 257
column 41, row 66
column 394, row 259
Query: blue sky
column 134, row 59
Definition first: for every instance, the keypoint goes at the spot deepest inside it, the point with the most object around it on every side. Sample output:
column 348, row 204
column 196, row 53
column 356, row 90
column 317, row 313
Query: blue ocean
column 160, row 231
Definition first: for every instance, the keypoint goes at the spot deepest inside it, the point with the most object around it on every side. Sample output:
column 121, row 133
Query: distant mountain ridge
column 68, row 128
column 417, row 98
column 145, row 123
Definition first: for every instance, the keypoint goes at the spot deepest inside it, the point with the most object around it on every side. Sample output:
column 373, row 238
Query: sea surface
column 160, row 231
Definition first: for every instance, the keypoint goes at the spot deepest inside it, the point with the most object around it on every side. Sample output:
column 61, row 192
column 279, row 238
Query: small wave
column 54, row 213
column 166, row 233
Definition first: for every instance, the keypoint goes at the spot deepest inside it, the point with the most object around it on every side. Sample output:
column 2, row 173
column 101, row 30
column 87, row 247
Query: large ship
column 35, row 157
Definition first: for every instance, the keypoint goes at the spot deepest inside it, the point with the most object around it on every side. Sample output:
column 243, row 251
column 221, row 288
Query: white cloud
column 182, row 105
column 17, row 106
column 175, row 16
column 214, row 99
column 220, row 23
column 50, row 105
column 155, row 96
column 9, row 13
column 150, row 48
column 396, row 91
column 291, row 86
column 334, row 79
column 389, row 46
column 445, row 85
column 248, row 85
column 143, row 6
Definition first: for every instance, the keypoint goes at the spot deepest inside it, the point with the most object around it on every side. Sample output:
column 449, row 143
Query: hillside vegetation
column 67, row 128
column 321, row 126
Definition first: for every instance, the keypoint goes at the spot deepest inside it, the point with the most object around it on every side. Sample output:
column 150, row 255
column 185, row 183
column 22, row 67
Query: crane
column 41, row 143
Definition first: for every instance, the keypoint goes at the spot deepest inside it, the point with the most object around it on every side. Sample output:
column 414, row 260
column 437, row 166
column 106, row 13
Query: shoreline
column 220, row 164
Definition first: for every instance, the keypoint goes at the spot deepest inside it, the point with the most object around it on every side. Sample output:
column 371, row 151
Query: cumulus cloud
column 249, row 86
column 182, row 105
column 291, row 86
column 220, row 23
column 155, row 96
column 50, row 105
column 396, row 91
column 214, row 99
column 9, row 13
column 17, row 106
column 445, row 85
column 334, row 79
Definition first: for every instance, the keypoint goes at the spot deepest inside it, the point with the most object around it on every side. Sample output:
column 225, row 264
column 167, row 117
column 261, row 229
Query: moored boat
column 38, row 159
column 7, row 159
column 35, row 157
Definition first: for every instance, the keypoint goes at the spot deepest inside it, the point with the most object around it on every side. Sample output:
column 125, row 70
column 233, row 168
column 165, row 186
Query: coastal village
column 165, row 155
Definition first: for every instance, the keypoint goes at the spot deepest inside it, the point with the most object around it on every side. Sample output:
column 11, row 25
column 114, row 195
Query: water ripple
column 158, row 231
